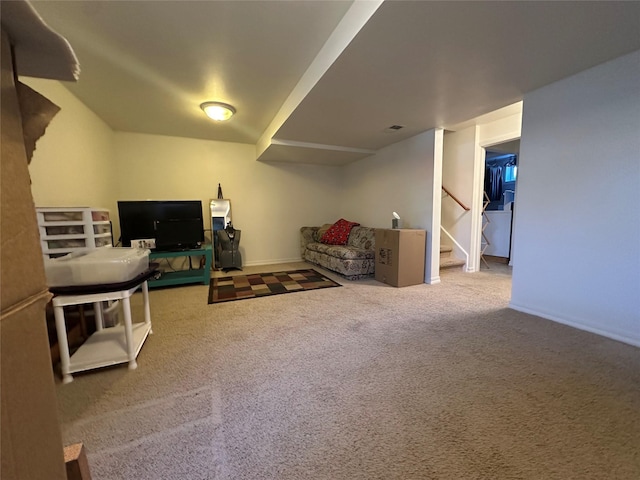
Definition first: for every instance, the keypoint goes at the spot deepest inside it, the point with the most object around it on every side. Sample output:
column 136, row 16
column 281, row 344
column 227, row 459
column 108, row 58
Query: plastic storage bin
column 67, row 229
column 99, row 266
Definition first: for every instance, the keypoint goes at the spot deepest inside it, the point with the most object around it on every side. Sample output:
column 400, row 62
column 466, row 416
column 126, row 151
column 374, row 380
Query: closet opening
column 501, row 172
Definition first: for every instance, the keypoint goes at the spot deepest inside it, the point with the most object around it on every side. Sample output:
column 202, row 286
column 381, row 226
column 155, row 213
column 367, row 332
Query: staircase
column 447, row 260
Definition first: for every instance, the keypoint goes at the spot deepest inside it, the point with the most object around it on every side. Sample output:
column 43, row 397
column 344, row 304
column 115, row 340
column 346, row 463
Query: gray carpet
column 361, row 382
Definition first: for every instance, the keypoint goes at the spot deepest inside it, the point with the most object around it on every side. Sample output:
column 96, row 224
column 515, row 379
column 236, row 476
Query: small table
column 107, row 346
column 182, row 277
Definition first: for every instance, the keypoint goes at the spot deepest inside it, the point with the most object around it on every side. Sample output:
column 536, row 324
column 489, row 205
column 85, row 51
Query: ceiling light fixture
column 218, row 111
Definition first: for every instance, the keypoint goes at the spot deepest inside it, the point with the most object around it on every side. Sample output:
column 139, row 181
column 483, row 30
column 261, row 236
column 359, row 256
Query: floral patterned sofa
column 354, row 260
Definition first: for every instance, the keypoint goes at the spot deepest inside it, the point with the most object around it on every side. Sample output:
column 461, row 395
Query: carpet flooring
column 242, row 287
column 362, row 382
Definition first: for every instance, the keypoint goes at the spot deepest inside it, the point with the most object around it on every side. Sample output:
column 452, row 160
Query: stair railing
column 455, row 199
column 455, row 242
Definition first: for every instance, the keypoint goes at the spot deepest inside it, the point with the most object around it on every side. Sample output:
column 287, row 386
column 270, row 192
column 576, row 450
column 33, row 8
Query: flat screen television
column 172, row 224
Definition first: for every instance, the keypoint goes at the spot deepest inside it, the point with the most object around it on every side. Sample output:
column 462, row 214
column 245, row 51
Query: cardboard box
column 20, row 242
column 400, row 256
column 77, row 464
column 31, row 440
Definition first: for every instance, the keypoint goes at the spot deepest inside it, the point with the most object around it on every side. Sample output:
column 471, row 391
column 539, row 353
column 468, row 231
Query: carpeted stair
column 447, row 259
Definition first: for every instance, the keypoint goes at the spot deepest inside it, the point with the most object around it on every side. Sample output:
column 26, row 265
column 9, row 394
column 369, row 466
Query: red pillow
column 338, row 233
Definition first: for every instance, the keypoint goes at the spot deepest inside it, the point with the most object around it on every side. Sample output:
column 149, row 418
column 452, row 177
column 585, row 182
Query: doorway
column 500, row 177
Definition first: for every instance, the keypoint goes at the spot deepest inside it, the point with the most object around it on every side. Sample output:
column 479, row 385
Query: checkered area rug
column 240, row 287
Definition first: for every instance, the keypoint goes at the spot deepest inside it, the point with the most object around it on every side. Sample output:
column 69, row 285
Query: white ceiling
column 147, row 65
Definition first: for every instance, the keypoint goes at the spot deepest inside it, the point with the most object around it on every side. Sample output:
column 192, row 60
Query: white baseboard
column 620, row 337
column 273, row 262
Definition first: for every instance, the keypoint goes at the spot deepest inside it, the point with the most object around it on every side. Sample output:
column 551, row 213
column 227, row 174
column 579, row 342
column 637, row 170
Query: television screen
column 172, row 224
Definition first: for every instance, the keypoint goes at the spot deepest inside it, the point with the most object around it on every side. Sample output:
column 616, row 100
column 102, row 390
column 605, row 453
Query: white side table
column 107, row 346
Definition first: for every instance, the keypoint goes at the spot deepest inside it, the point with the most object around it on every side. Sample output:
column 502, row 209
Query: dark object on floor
column 240, row 287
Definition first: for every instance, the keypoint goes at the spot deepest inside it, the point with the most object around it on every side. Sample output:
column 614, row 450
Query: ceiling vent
column 394, row 128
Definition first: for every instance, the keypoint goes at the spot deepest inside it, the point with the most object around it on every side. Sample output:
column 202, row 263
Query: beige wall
column 458, row 177
column 72, row 165
column 501, row 130
column 396, row 179
column 269, row 202
column 82, row 162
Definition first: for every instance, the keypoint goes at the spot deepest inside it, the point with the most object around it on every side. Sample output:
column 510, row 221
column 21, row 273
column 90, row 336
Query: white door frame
column 478, row 194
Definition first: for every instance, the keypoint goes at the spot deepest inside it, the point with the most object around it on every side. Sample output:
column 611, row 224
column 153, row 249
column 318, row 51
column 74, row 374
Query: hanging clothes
column 493, row 182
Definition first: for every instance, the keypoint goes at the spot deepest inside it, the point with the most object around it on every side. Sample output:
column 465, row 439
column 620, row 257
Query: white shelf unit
column 68, row 229
column 107, row 346
column 71, row 229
